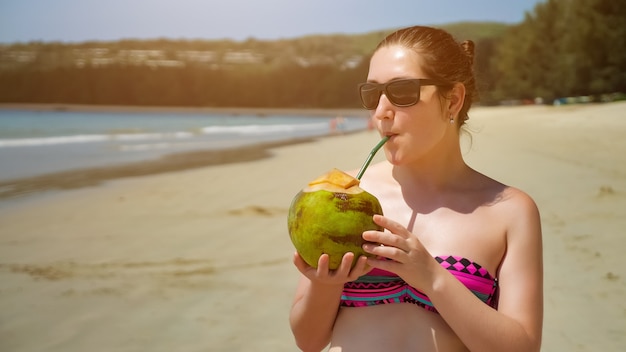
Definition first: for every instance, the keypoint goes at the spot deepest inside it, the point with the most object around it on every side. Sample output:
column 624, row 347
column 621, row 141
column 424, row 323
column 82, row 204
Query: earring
column 451, row 119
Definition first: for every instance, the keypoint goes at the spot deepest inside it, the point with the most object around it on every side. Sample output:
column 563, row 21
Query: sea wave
column 164, row 136
column 90, row 138
column 262, row 129
column 161, row 146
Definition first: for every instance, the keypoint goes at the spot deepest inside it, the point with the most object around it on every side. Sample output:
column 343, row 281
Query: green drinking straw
column 371, row 156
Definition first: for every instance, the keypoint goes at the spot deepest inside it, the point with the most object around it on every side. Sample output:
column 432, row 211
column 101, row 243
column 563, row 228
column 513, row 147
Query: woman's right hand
column 339, row 276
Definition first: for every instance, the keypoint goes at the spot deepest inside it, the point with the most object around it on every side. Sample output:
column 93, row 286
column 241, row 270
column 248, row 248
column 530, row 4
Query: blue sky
column 84, row 20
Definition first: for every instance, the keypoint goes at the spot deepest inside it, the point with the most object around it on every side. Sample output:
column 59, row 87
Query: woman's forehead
column 393, row 62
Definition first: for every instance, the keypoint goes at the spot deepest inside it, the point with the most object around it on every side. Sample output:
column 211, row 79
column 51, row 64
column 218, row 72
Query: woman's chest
column 479, row 234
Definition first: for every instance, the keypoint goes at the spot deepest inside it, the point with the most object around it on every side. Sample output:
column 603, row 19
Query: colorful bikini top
column 383, row 287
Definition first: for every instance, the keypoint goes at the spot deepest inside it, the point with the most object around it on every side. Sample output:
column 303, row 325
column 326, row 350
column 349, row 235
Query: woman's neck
column 441, row 170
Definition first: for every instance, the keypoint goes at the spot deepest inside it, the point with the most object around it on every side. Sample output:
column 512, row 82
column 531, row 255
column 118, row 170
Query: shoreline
column 359, row 112
column 175, row 162
column 16, row 187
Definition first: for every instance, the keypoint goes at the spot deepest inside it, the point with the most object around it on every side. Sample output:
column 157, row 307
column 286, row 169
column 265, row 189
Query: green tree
column 563, row 48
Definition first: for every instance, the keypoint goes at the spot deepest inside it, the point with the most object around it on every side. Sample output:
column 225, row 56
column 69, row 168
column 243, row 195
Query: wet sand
column 195, row 258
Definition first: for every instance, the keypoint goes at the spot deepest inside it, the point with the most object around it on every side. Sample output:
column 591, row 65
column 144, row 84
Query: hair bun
column 468, row 48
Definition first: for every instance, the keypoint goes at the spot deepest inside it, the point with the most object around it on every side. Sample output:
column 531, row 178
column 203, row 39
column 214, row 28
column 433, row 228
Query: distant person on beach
column 459, row 266
column 337, row 125
column 341, row 124
column 332, row 125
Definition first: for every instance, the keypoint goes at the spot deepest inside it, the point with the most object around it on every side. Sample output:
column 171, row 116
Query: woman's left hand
column 409, row 259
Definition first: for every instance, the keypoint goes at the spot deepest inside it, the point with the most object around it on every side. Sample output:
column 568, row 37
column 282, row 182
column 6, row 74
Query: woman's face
column 416, row 131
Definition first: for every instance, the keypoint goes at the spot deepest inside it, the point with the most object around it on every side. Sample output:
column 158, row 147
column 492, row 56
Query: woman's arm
column 317, row 297
column 517, row 324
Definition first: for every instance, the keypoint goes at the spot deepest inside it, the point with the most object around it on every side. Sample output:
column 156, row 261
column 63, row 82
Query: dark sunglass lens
column 369, row 96
column 404, row 93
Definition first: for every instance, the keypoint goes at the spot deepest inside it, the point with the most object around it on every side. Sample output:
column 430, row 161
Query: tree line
column 562, row 48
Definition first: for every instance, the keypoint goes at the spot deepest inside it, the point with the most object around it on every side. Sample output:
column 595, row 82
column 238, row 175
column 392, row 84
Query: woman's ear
column 456, row 99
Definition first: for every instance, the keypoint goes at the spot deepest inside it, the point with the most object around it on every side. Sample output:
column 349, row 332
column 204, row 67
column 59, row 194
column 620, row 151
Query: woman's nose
column 384, row 109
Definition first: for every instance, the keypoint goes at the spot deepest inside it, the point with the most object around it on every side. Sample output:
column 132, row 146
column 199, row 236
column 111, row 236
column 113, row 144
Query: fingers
column 309, row 271
column 349, row 273
column 386, row 239
column 322, row 265
column 323, row 274
column 344, row 267
column 392, row 226
column 397, row 236
column 385, row 251
column 301, row 265
column 388, row 265
column 361, row 268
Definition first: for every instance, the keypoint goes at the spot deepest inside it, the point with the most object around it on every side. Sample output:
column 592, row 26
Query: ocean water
column 39, row 142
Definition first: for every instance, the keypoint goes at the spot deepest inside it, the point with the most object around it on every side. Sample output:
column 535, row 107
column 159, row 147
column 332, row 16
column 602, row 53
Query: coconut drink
column 330, row 214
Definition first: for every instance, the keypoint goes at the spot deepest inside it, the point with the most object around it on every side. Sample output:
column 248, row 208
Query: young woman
column 459, row 266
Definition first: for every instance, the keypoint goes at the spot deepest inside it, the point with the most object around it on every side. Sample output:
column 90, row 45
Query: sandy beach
column 198, row 258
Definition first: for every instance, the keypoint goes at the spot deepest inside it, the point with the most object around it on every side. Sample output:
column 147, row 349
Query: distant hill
column 315, row 71
column 334, row 49
column 476, row 31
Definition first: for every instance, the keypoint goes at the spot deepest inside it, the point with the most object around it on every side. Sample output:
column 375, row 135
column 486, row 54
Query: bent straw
column 371, row 156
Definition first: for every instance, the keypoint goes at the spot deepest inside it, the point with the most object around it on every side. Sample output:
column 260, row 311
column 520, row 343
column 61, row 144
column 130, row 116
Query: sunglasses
column 400, row 92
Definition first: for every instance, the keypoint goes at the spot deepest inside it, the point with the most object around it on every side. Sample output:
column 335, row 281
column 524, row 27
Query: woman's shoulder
column 506, row 199
column 515, row 198
column 517, row 214
column 512, row 204
column 502, row 191
column 520, row 207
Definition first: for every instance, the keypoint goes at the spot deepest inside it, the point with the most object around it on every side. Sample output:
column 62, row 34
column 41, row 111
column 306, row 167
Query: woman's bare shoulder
column 516, row 208
column 515, row 199
column 504, row 195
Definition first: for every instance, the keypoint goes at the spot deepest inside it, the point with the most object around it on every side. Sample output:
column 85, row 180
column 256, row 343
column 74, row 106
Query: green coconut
column 329, row 216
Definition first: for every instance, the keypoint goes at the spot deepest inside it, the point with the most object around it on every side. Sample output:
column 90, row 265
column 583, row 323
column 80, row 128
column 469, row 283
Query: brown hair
column 444, row 59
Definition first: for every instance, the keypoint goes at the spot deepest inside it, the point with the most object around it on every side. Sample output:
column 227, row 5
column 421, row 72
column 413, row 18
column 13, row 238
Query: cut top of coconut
column 329, row 187
column 336, row 177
